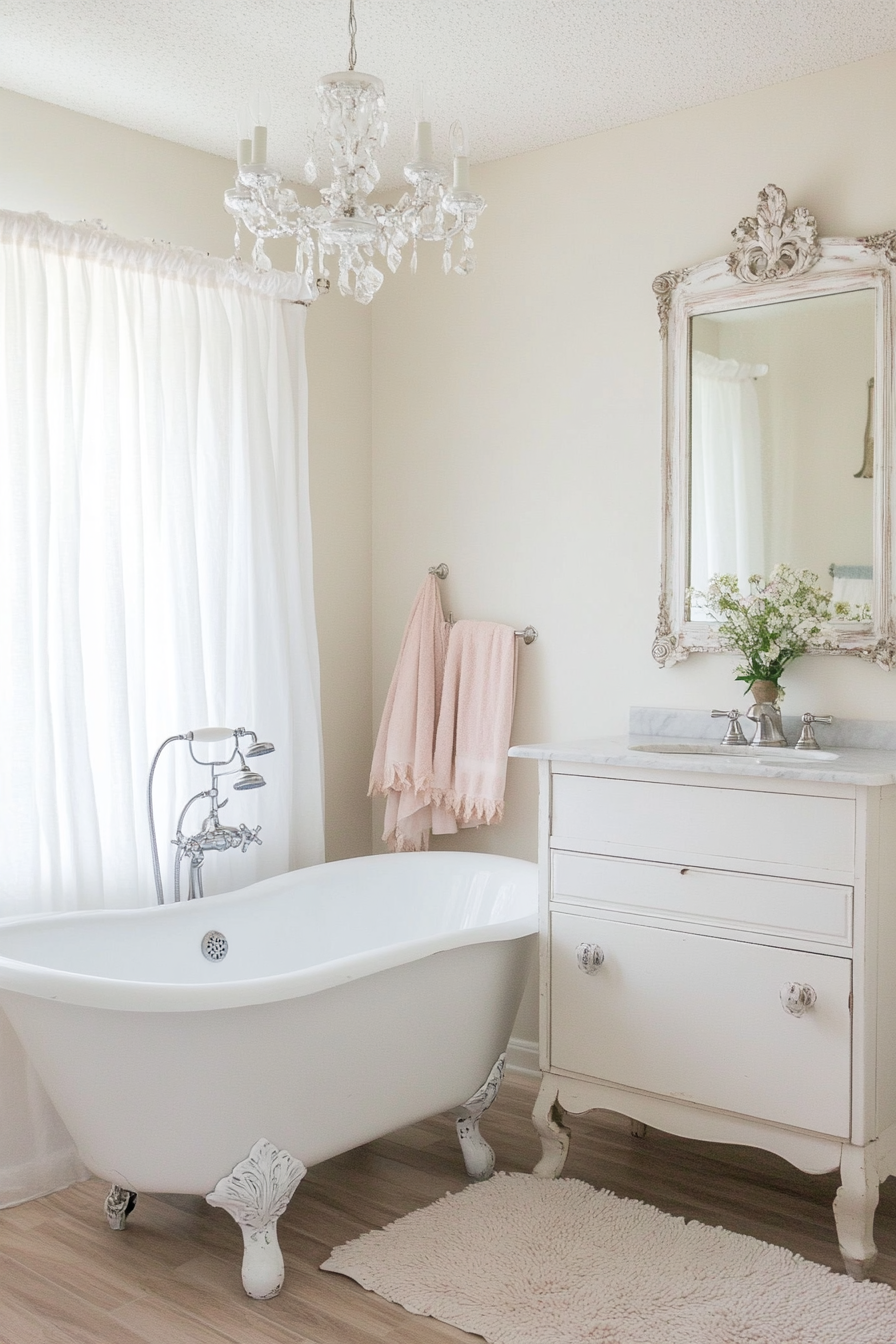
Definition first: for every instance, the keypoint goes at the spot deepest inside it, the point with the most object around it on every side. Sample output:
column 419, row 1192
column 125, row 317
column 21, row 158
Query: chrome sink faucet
column 769, row 728
column 212, row 835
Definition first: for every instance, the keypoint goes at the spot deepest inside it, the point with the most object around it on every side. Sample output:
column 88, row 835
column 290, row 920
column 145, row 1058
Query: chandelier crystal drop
column 351, row 129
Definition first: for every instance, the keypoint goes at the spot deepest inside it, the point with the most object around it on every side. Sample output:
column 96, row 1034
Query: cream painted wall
column 339, row 366
column 516, row 424
column 76, row 167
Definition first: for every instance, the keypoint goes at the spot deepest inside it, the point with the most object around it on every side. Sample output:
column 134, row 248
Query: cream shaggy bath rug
column 520, row 1260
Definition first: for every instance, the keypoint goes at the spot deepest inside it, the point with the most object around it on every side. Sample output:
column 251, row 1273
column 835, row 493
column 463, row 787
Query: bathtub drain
column 214, row 946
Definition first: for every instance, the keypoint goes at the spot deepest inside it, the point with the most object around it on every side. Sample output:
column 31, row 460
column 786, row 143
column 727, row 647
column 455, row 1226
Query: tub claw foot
column 479, row 1157
column 119, row 1203
column 255, row 1194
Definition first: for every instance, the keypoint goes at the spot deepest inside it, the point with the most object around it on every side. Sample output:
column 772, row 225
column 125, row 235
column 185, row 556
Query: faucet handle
column 249, row 837
column 807, row 740
column 734, row 737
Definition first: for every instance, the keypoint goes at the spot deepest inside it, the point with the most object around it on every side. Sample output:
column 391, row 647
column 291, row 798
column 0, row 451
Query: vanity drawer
column 818, row 911
column 699, row 1019
column 710, row 827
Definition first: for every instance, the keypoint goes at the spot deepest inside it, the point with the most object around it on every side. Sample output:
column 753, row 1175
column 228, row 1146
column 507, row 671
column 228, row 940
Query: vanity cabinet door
column 700, row 1019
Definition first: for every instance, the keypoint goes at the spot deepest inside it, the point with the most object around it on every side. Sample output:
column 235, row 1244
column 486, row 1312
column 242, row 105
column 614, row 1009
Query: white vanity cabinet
column 718, row 957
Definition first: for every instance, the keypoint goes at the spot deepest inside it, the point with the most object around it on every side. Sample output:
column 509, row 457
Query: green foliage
column 772, row 624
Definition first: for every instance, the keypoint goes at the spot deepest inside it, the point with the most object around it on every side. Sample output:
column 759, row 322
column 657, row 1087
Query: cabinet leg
column 854, row 1210
column 638, row 1130
column 547, row 1117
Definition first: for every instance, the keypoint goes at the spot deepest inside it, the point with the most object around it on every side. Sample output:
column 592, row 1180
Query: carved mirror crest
column 778, row 382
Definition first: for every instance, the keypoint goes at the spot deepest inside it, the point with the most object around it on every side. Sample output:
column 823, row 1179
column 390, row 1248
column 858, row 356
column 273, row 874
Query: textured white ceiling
column 520, row 73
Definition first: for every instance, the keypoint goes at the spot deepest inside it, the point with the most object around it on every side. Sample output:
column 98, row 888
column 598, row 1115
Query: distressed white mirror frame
column 777, row 257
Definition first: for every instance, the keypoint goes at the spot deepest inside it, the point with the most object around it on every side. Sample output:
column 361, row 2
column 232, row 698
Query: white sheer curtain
column 726, row 471
column 155, row 549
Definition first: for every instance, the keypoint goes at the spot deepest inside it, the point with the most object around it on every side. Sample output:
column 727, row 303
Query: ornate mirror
column 778, row 403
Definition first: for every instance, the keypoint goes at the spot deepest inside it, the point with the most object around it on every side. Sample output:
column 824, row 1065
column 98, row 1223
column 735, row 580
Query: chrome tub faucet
column 212, row 835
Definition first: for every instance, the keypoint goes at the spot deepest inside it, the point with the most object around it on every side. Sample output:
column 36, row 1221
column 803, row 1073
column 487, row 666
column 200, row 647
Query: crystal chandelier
column 350, row 131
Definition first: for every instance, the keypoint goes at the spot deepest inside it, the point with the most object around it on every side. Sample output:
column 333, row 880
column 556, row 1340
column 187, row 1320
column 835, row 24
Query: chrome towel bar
column 528, row 635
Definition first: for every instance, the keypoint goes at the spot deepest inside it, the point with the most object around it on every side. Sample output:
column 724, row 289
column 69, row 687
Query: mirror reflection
column 781, row 449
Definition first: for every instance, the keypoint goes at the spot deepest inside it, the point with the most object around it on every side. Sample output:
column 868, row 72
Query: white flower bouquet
column 774, row 623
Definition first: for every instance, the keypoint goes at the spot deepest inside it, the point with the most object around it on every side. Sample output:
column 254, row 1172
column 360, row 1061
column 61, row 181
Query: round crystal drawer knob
column 796, row 998
column 589, row 957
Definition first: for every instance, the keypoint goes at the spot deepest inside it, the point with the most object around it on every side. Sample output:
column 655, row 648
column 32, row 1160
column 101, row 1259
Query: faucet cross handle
column 807, row 740
column 734, row 736
column 250, row 837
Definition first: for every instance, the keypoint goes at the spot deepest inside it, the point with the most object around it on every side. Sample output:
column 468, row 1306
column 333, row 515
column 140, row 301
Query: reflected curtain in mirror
column 727, row 535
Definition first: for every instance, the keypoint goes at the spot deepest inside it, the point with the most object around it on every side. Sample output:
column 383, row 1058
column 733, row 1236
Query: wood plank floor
column 173, row 1276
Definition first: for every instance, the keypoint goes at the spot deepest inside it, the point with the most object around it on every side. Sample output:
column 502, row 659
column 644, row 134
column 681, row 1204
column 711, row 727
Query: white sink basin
column 765, row 754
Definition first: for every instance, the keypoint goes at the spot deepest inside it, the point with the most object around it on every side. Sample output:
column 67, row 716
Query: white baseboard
column 522, row 1057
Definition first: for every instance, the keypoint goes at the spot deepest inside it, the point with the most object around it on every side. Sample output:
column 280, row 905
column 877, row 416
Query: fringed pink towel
column 402, row 766
column 475, row 719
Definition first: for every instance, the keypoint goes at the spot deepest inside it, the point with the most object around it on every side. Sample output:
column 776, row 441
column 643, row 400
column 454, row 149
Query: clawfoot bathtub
column 220, row 1047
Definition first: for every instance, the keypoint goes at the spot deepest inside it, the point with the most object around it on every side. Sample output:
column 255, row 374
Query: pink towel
column 475, row 719
column 402, row 766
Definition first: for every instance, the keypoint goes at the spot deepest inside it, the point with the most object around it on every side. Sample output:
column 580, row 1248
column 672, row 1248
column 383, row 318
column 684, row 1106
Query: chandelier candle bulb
column 423, row 142
column 243, row 128
column 423, row 120
column 461, row 173
column 260, row 144
column 461, row 152
column 422, row 102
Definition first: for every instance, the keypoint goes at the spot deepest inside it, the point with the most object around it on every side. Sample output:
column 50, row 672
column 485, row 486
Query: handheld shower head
column 259, row 749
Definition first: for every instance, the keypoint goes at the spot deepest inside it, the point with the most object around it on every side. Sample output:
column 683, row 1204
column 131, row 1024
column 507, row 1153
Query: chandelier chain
column 352, row 34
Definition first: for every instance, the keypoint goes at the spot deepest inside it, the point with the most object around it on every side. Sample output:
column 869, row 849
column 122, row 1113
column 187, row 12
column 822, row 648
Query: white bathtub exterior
column 356, row 997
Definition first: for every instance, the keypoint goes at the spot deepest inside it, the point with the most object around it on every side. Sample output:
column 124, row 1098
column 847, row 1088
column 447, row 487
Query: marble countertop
column 854, row 765
column 867, row 764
